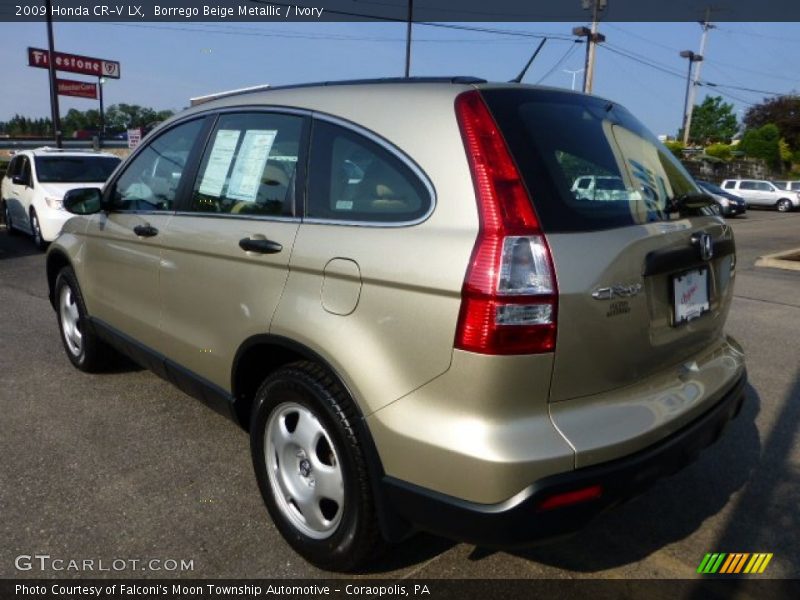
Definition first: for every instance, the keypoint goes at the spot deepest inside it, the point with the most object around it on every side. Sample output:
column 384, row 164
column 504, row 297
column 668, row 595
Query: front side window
column 352, row 178
column 13, row 167
column 25, row 170
column 766, row 187
column 151, row 180
column 250, row 165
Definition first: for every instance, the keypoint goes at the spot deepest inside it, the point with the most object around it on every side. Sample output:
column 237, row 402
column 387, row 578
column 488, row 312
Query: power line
column 249, row 32
column 560, row 61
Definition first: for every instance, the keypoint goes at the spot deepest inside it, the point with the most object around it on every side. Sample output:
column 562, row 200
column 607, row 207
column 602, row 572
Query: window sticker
column 250, row 163
column 219, row 162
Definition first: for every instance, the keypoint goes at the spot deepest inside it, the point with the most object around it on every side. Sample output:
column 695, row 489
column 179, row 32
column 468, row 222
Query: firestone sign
column 73, row 63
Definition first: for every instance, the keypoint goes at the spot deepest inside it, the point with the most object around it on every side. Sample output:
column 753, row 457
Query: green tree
column 675, row 147
column 120, row 117
column 722, row 151
column 713, row 121
column 763, row 143
column 782, row 111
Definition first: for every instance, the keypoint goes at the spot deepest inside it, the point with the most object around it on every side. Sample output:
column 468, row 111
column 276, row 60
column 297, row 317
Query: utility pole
column 51, row 70
column 408, row 36
column 592, row 38
column 690, row 99
column 693, row 58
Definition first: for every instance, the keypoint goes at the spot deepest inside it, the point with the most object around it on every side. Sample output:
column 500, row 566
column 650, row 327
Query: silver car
column 760, row 192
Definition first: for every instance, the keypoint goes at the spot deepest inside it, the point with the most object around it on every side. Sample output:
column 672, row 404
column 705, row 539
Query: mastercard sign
column 73, row 63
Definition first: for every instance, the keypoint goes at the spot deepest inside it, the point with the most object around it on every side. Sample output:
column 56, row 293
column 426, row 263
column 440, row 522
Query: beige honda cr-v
column 394, row 286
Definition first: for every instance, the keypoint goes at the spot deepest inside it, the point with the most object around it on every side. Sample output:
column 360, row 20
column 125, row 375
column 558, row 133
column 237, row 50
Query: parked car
column 759, row 192
column 730, row 205
column 600, row 187
column 36, row 181
column 443, row 338
column 793, row 186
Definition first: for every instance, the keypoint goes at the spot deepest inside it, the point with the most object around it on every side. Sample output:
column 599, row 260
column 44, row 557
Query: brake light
column 509, row 297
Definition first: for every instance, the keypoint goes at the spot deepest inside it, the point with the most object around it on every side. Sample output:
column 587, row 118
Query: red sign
column 74, row 63
column 80, row 89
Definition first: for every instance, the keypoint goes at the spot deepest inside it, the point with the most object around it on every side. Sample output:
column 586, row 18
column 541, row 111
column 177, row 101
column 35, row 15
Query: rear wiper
column 689, row 201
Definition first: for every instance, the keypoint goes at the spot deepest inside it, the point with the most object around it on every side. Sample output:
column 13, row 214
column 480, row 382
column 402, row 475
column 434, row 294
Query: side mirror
column 19, row 180
column 83, row 201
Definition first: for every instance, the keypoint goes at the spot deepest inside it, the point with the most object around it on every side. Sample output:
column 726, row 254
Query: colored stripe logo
column 734, row 563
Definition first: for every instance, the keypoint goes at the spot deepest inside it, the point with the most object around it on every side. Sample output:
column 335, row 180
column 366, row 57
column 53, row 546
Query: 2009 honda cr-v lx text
column 393, row 286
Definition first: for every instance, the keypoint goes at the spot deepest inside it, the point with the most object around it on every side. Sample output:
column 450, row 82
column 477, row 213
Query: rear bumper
column 520, row 519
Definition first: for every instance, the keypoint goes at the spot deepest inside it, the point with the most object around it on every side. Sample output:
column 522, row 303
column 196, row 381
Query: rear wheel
column 784, row 205
column 311, row 468
column 84, row 349
column 36, row 231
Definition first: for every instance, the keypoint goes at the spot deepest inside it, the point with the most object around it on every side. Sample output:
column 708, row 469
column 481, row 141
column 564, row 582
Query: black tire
column 7, row 219
column 356, row 537
column 89, row 354
column 784, row 205
column 36, row 231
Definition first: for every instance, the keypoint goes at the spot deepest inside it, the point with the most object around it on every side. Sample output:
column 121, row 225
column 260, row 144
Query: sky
column 165, row 64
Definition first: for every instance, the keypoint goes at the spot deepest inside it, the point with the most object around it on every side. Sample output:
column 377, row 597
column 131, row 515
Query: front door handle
column 260, row 246
column 145, row 230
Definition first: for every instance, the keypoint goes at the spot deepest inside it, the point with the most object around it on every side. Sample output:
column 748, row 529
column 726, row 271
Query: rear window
column 559, row 140
column 74, row 169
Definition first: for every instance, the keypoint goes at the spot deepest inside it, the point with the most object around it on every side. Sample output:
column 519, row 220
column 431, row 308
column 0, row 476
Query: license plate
column 690, row 295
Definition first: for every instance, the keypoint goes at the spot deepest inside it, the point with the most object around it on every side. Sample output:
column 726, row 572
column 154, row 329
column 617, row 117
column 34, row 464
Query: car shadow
column 671, row 510
column 16, row 245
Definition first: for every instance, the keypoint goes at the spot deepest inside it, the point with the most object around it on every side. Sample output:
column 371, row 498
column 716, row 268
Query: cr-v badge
column 617, row 291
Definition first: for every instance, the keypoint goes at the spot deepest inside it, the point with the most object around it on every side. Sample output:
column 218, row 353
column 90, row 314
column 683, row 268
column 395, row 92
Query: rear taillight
column 509, row 298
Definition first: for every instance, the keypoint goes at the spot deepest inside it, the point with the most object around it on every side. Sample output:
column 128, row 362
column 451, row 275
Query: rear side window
column 730, row 185
column 795, row 186
column 748, row 185
column 249, row 165
column 352, row 178
column 559, row 139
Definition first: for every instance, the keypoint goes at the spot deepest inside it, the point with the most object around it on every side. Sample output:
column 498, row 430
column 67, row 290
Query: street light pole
column 408, row 36
column 51, row 69
column 573, row 73
column 100, row 82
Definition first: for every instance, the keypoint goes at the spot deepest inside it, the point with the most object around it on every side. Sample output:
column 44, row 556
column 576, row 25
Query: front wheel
column 311, row 468
column 36, row 230
column 84, row 349
column 784, row 205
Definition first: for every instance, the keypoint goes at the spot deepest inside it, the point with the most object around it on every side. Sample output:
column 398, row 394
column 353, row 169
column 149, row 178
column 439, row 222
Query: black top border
column 439, row 11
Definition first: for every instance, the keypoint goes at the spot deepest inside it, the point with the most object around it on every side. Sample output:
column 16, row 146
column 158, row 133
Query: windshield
column 74, row 169
column 561, row 140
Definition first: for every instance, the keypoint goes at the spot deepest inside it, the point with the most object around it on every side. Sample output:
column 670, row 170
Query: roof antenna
column 518, row 78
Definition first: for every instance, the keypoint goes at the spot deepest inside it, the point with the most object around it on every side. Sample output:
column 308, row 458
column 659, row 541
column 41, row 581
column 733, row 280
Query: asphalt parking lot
column 123, row 465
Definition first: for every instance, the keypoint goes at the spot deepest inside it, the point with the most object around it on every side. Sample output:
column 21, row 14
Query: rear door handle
column 145, row 230
column 260, row 246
